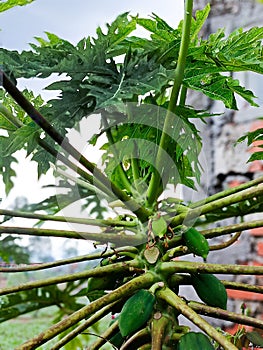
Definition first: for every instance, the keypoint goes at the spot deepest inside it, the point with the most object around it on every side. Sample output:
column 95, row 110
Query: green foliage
column 251, row 137
column 67, row 194
column 8, row 4
column 24, row 302
column 10, row 251
column 147, row 67
column 22, row 133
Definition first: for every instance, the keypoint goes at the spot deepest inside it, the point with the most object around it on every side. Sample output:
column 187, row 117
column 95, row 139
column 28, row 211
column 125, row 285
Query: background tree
column 10, row 249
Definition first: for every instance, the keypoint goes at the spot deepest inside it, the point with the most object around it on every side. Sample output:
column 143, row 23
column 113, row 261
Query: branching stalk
column 227, row 192
column 137, row 340
column 122, row 268
column 169, row 268
column 184, row 279
column 214, row 232
column 92, row 222
column 84, row 184
column 171, row 298
column 225, row 315
column 83, row 326
column 158, row 332
column 119, row 238
column 9, row 116
column 183, row 95
column 226, row 244
column 18, row 124
column 127, row 289
column 193, row 214
column 77, row 259
column 135, row 166
column 242, row 286
column 120, row 169
column 105, row 336
column 219, row 231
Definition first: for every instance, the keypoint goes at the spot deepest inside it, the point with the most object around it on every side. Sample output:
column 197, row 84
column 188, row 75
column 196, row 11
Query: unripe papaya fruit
column 136, row 311
column 194, row 341
column 101, row 283
column 196, row 242
column 210, row 290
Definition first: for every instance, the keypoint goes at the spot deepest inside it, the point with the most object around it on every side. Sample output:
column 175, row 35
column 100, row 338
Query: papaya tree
column 136, row 88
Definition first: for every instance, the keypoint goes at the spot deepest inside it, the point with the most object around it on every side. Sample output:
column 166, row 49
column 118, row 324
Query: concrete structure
column 226, row 164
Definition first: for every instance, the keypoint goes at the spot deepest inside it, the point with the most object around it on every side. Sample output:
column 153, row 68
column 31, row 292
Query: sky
column 71, row 20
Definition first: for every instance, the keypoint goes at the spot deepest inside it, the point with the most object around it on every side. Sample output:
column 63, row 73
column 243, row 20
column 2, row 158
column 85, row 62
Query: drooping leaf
column 16, row 140
column 6, row 166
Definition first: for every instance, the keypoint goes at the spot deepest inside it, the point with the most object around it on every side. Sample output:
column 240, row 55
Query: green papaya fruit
column 136, row 311
column 210, row 290
column 194, row 341
column 101, row 283
column 196, row 242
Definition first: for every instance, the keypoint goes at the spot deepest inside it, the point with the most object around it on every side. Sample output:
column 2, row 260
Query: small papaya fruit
column 194, row 341
column 210, row 289
column 196, row 242
column 136, row 311
column 101, row 283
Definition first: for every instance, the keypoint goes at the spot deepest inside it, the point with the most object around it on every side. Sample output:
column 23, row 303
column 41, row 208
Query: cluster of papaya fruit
column 136, row 312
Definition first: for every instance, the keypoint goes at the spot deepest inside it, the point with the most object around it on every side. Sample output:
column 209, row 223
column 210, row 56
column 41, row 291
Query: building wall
column 226, row 165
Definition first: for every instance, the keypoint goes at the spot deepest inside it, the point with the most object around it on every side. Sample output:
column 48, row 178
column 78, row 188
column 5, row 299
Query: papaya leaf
column 240, row 51
column 20, row 303
column 6, row 169
column 198, row 22
column 256, row 156
column 16, row 140
column 12, row 3
column 251, row 136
